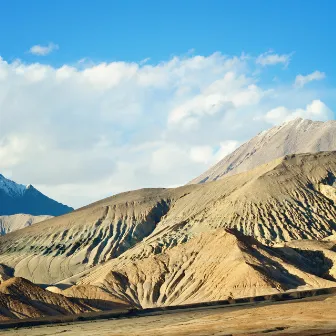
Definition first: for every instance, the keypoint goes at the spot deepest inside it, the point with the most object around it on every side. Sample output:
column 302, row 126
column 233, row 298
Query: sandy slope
column 20, row 298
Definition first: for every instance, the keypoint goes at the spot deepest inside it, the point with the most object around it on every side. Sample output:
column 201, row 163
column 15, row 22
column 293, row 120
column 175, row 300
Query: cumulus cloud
column 202, row 154
column 40, row 50
column 270, row 58
column 228, row 93
column 225, row 148
column 316, row 110
column 301, row 80
column 81, row 133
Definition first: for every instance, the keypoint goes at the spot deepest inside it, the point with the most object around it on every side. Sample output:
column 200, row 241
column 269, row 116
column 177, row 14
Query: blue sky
column 98, row 97
column 134, row 30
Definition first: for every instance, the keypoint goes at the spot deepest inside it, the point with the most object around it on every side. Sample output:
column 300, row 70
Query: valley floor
column 310, row 316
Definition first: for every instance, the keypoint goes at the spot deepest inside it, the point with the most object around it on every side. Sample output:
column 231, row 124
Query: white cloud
column 316, row 110
column 11, row 150
column 40, row 50
column 201, row 154
column 225, row 94
column 225, row 148
column 212, row 155
column 270, row 58
column 86, row 131
column 301, row 80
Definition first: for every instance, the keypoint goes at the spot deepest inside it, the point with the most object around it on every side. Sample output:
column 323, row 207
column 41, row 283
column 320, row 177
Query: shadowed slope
column 19, row 298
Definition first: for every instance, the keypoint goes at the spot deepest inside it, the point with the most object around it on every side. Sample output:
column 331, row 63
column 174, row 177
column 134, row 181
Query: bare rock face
column 297, row 136
column 19, row 221
column 287, row 199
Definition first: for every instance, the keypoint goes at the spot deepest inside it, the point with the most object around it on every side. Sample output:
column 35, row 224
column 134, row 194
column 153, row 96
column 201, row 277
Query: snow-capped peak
column 11, row 188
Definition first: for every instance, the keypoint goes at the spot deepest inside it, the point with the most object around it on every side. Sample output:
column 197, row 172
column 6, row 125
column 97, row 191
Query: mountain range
column 265, row 226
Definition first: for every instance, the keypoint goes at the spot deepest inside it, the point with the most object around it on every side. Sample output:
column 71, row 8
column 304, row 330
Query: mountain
column 212, row 266
column 17, row 198
column 19, row 221
column 271, row 229
column 296, row 136
column 287, row 199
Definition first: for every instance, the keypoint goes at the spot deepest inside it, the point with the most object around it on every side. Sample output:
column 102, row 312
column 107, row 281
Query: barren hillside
column 209, row 267
column 297, row 136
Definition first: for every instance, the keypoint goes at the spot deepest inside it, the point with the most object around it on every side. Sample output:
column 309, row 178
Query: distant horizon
column 97, row 99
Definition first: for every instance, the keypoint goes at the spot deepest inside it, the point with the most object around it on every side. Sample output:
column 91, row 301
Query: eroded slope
column 286, row 199
column 209, row 267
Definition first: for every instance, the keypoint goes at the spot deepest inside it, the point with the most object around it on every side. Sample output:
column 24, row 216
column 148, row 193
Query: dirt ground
column 305, row 317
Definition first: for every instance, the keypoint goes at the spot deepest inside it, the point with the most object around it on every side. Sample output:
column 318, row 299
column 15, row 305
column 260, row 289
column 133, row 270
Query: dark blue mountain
column 16, row 198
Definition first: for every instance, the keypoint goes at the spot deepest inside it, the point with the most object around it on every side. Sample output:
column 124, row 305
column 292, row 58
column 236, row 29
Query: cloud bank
column 81, row 133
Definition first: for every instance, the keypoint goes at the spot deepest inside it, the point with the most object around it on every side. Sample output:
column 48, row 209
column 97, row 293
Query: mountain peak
column 295, row 120
column 292, row 137
column 18, row 198
column 10, row 187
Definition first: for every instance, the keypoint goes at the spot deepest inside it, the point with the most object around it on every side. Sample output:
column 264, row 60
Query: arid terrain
column 314, row 316
column 268, row 230
column 167, row 168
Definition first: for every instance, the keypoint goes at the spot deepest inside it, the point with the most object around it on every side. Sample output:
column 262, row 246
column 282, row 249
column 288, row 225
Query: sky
column 102, row 97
